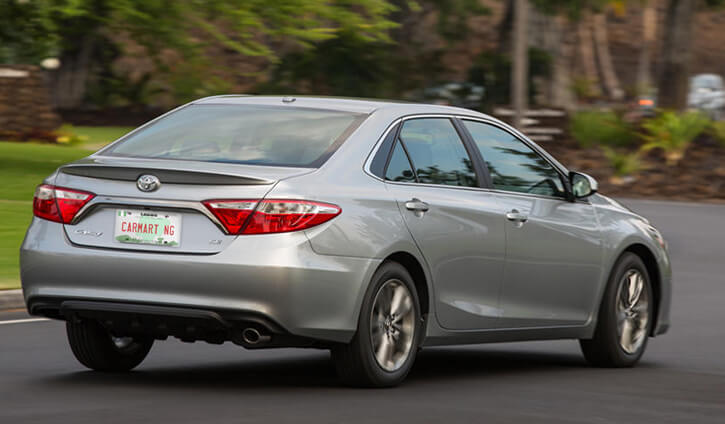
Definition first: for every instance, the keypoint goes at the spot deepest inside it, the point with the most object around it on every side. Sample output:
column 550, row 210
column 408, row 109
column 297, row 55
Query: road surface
column 681, row 378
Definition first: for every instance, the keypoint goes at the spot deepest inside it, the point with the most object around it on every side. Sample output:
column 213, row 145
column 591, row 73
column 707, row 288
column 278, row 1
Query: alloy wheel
column 632, row 311
column 392, row 325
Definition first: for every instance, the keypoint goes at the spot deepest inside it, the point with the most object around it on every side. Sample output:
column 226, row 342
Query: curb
column 11, row 299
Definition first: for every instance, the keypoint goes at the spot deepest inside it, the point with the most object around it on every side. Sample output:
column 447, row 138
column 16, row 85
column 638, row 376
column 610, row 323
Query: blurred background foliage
column 492, row 70
column 166, row 52
column 605, row 127
column 111, row 54
column 121, row 52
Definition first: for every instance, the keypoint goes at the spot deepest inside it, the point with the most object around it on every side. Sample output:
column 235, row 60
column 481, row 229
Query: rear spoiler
column 170, row 176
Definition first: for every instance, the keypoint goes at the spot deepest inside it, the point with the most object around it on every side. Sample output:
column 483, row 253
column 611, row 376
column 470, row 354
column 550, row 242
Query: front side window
column 513, row 165
column 437, row 152
column 248, row 134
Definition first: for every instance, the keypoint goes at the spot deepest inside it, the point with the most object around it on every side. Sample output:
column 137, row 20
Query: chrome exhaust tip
column 252, row 336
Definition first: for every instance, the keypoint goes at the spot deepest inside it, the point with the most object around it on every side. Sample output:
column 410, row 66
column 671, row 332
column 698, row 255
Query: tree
column 601, row 42
column 520, row 62
column 27, row 34
column 592, row 45
column 673, row 83
column 673, row 80
column 649, row 31
column 587, row 52
column 77, row 31
column 349, row 66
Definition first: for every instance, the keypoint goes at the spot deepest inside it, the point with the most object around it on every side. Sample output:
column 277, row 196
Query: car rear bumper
column 189, row 324
column 276, row 278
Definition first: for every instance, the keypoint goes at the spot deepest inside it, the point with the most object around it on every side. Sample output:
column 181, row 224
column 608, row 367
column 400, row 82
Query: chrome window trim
column 482, row 189
column 104, row 202
column 517, row 134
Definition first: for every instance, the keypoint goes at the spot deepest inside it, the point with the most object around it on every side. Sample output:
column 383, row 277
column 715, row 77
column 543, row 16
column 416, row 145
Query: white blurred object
column 50, row 63
column 707, row 94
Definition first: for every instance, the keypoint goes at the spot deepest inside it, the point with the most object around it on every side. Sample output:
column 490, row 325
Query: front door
column 553, row 245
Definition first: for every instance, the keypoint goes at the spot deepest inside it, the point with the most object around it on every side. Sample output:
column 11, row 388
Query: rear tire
column 625, row 316
column 389, row 328
column 94, row 347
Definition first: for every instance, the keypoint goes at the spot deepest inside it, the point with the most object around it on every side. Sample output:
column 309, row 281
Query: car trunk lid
column 169, row 219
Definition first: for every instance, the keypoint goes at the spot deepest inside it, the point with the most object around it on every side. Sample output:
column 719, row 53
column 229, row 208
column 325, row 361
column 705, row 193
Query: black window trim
column 395, row 143
column 384, row 151
column 407, row 155
column 479, row 164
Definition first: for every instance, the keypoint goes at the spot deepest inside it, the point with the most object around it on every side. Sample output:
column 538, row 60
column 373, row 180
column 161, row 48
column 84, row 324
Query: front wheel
column 97, row 349
column 383, row 349
column 625, row 316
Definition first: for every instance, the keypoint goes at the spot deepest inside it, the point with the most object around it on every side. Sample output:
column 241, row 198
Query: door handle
column 516, row 216
column 416, row 205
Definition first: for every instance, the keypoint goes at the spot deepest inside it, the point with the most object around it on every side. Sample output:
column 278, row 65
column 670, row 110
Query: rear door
column 553, row 245
column 456, row 225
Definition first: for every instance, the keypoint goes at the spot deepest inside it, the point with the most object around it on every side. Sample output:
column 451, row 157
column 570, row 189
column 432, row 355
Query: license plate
column 147, row 227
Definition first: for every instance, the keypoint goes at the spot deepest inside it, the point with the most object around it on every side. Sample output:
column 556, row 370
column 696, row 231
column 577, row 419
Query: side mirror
column 582, row 185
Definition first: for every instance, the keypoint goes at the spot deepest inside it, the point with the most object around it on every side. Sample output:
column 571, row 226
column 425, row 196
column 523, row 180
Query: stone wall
column 25, row 109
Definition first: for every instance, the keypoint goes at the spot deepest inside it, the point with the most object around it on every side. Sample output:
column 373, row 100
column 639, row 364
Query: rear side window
column 399, row 167
column 437, row 152
column 248, row 134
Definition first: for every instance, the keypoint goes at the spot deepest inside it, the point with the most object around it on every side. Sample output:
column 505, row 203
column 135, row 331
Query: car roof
column 337, row 103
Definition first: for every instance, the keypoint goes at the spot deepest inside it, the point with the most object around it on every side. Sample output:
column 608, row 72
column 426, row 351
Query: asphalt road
column 680, row 379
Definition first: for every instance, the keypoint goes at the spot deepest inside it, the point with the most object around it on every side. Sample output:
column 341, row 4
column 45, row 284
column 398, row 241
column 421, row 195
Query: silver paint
column 488, row 278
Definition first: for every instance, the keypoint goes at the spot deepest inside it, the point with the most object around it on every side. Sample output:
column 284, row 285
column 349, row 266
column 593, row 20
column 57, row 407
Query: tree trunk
column 561, row 92
column 555, row 35
column 520, row 65
column 649, row 31
column 70, row 82
column 675, row 73
column 609, row 74
column 586, row 53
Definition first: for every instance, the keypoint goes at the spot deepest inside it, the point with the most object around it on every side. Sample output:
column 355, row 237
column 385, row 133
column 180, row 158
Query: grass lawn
column 22, row 167
column 99, row 136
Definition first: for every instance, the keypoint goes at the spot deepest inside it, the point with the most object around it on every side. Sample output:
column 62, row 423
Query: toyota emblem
column 148, row 183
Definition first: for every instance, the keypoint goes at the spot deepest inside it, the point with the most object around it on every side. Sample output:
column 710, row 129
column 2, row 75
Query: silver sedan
column 368, row 228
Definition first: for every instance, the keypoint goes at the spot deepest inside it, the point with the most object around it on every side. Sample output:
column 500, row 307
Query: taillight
column 59, row 204
column 271, row 215
column 281, row 216
column 232, row 214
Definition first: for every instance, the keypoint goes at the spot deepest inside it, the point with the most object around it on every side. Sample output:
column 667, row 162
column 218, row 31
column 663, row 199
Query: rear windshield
column 257, row 135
